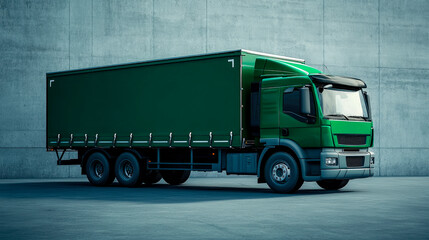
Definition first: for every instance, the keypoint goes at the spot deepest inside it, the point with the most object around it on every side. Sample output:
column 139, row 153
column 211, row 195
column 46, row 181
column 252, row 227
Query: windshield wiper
column 338, row 115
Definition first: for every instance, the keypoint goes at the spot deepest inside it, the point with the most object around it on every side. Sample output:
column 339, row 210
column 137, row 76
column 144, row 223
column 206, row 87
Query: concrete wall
column 384, row 42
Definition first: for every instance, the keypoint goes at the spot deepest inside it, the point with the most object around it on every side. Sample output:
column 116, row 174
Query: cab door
column 303, row 128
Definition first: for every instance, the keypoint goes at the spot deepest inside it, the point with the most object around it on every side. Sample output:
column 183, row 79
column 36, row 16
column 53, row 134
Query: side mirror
column 305, row 100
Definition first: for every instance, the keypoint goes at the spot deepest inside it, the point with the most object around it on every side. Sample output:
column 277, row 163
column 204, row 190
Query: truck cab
column 324, row 121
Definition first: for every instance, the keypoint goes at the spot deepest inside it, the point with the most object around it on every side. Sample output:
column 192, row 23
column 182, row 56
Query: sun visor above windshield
column 337, row 80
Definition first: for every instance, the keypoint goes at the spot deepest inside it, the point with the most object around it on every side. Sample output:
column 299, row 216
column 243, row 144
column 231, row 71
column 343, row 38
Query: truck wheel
column 128, row 170
column 175, row 177
column 151, row 177
column 282, row 173
column 99, row 170
column 332, row 184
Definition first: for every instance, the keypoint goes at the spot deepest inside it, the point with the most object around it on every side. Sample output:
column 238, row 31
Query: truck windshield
column 343, row 103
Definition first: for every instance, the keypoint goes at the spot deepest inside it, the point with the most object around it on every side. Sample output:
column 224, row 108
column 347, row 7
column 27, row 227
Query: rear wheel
column 128, row 170
column 151, row 177
column 99, row 170
column 332, row 184
column 282, row 173
column 175, row 177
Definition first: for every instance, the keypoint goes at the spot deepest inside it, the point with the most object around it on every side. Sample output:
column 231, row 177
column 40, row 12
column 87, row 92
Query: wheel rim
column 280, row 172
column 98, row 169
column 127, row 169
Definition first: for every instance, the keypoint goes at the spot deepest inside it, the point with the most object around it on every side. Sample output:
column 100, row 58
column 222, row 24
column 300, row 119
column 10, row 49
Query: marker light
column 331, row 161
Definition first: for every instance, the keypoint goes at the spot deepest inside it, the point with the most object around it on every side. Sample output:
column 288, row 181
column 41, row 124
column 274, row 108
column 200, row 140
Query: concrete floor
column 214, row 208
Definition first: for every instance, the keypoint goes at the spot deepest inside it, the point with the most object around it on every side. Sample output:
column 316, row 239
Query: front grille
column 351, row 139
column 355, row 161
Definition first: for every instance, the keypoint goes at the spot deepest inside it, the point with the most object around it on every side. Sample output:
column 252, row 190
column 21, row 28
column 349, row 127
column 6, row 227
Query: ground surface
column 214, row 208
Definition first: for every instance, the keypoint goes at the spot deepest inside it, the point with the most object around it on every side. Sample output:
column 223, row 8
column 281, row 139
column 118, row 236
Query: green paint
column 178, row 97
column 326, row 136
column 351, row 127
column 198, row 94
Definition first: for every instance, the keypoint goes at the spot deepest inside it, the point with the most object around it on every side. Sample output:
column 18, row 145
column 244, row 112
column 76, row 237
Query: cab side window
column 292, row 105
column 291, row 101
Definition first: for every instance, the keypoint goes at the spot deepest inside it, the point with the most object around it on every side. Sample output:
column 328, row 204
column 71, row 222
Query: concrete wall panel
column 382, row 42
column 22, row 138
column 29, row 164
column 404, row 162
column 179, row 28
column 122, row 29
column 81, row 24
column 404, row 34
column 351, row 33
column 30, row 45
column 290, row 28
column 404, row 112
column 34, row 26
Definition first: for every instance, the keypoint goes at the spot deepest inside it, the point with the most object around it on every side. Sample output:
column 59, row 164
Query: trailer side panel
column 169, row 100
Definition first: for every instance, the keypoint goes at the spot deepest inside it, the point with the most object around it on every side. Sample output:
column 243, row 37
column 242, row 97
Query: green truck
column 242, row 112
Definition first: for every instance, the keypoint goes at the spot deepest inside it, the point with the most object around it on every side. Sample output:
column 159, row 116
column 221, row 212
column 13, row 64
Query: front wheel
column 282, row 173
column 332, row 184
column 175, row 177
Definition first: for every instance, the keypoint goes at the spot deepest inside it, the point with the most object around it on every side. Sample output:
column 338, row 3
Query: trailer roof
column 174, row 59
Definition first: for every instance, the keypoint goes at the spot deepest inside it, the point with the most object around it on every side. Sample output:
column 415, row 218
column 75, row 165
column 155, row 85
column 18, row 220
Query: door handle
column 285, row 132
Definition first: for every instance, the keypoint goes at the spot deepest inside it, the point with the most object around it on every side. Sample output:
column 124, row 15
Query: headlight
column 331, row 161
column 372, row 160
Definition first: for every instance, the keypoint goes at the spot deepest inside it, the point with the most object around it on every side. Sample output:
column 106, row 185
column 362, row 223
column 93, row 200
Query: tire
column 151, row 177
column 332, row 184
column 99, row 170
column 129, row 170
column 282, row 173
column 175, row 177
column 298, row 184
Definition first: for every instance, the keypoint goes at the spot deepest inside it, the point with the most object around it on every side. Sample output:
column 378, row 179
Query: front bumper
column 341, row 170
